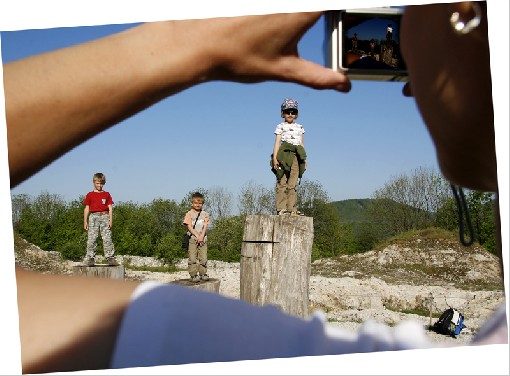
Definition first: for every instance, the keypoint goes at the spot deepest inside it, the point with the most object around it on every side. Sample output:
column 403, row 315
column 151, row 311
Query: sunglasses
column 290, row 112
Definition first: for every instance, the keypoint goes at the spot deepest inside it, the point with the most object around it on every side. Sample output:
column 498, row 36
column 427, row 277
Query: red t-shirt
column 98, row 201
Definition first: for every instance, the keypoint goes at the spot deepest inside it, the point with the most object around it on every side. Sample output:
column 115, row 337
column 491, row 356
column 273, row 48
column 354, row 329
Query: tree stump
column 276, row 262
column 212, row 285
column 101, row 271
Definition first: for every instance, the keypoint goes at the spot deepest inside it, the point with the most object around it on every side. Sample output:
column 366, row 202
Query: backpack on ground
column 451, row 322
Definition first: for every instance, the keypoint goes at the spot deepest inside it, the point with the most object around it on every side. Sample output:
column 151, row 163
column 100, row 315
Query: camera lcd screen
column 371, row 44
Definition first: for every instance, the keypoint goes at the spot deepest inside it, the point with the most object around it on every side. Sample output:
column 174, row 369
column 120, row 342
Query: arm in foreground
column 69, row 95
column 69, row 323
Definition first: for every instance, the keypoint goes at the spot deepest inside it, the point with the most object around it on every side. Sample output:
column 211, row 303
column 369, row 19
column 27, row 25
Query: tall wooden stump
column 101, row 271
column 276, row 262
column 212, row 285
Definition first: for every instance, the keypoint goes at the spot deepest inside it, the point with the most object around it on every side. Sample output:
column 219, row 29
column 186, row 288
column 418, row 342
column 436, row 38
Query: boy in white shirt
column 288, row 158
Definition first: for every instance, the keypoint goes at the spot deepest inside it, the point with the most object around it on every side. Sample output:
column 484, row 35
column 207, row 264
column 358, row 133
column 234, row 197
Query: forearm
column 85, row 216
column 276, row 147
column 192, row 231
column 85, row 312
column 54, row 97
column 67, row 96
column 204, row 231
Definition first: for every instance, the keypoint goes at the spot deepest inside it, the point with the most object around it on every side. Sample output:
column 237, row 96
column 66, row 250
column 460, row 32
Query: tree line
column 411, row 201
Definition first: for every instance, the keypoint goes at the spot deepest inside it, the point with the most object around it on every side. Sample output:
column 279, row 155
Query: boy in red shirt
column 99, row 204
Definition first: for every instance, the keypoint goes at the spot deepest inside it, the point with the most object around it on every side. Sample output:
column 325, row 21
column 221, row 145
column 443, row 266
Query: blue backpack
column 451, row 322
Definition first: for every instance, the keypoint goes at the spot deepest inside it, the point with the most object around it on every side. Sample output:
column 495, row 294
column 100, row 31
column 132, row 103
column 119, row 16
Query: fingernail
column 344, row 86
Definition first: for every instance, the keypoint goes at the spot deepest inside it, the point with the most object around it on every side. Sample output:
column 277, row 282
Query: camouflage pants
column 98, row 223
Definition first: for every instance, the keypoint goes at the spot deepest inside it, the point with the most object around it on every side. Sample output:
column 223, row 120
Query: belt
column 100, row 213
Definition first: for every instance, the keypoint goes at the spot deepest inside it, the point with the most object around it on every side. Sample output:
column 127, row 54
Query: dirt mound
column 420, row 261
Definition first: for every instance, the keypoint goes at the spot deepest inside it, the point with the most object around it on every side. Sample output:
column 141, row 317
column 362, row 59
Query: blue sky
column 221, row 134
column 355, row 141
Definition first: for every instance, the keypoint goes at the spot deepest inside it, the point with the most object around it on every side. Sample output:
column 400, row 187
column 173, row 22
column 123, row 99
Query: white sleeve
column 494, row 330
column 169, row 324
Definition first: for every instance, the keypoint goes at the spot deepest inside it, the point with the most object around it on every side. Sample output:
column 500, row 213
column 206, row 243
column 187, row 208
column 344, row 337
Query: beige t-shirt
column 191, row 217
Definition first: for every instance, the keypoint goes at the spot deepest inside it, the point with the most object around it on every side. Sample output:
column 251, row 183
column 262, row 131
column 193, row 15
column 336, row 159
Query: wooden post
column 101, row 271
column 276, row 262
column 212, row 285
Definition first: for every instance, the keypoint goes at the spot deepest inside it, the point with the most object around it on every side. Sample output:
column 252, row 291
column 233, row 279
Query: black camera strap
column 196, row 220
column 463, row 210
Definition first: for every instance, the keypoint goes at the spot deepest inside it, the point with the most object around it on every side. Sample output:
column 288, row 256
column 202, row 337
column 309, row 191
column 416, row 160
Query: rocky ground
column 399, row 282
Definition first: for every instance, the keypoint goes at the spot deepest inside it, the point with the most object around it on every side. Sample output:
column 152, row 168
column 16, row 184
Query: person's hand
column 86, row 226
column 276, row 165
column 259, row 48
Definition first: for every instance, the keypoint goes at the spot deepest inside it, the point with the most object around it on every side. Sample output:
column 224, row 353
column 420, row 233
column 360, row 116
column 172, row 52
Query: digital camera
column 365, row 43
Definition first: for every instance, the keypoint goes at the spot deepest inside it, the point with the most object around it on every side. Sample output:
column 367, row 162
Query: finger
column 301, row 71
column 407, row 90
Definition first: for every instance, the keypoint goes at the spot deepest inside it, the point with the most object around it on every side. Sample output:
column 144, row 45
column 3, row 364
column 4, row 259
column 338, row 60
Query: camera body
column 365, row 43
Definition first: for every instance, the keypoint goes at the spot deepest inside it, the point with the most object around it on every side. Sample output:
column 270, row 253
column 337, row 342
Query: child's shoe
column 112, row 261
column 282, row 212
column 204, row 277
column 296, row 212
column 195, row 278
column 90, row 261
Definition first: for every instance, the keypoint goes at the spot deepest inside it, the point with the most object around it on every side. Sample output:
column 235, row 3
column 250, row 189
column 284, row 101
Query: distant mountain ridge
column 352, row 210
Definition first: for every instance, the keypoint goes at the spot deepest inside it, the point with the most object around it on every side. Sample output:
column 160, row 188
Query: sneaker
column 282, row 212
column 195, row 278
column 204, row 277
column 112, row 261
column 90, row 262
column 296, row 212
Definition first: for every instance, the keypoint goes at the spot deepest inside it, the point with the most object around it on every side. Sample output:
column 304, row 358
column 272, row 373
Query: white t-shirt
column 291, row 133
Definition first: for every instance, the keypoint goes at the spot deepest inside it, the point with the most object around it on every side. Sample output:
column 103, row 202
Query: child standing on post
column 288, row 160
column 99, row 204
column 197, row 221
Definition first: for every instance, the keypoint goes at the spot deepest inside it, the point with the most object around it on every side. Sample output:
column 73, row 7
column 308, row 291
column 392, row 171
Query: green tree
column 327, row 240
column 409, row 201
column 256, row 199
column 310, row 192
column 481, row 206
column 38, row 221
column 71, row 237
column 482, row 214
column 219, row 201
column 168, row 249
column 447, row 216
column 226, row 238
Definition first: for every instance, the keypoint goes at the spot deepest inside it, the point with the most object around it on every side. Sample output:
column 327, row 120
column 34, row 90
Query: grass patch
column 415, row 311
column 427, row 234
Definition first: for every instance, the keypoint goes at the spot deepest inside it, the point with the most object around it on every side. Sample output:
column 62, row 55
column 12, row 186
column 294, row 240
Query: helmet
column 289, row 103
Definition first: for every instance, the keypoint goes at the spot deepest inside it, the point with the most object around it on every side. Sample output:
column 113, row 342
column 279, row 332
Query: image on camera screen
column 371, row 42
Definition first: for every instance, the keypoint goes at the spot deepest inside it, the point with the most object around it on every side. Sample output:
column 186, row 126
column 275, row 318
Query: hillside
column 401, row 280
column 426, row 257
column 353, row 210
